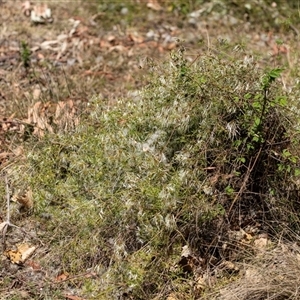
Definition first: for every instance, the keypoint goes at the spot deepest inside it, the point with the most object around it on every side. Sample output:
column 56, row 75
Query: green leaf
column 242, row 159
column 238, row 143
column 247, row 96
column 297, row 172
column 275, row 73
column 293, row 159
column 286, row 153
column 257, row 122
column 257, row 105
column 270, row 77
column 282, row 101
column 229, row 190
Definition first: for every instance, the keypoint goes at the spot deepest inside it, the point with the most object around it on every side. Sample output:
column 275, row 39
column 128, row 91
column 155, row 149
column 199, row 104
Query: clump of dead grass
column 273, row 274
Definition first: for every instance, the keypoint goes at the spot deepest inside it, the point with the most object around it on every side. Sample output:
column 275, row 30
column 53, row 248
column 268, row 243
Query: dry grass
column 271, row 275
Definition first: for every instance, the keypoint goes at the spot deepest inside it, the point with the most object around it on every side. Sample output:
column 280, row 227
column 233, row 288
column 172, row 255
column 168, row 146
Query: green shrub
column 173, row 165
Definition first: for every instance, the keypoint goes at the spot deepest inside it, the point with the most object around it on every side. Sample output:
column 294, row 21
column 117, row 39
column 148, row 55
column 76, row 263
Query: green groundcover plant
column 176, row 164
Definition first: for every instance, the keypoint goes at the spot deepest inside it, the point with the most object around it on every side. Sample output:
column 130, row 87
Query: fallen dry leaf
column 35, row 266
column 201, row 282
column 37, row 115
column 61, row 277
column 41, row 14
column 36, row 93
column 261, row 244
column 153, row 4
column 44, row 115
column 20, row 255
column 135, row 37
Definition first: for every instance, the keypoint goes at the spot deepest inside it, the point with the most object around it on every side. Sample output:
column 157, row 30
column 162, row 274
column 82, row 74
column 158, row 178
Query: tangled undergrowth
column 209, row 146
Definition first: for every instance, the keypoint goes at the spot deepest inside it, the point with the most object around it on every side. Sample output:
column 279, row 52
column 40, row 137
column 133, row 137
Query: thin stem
column 7, row 201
